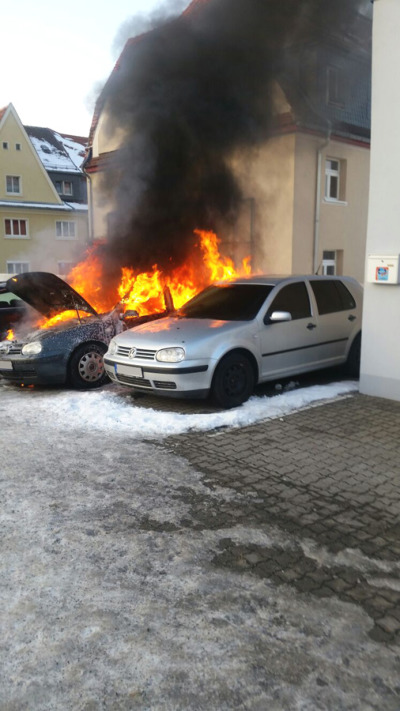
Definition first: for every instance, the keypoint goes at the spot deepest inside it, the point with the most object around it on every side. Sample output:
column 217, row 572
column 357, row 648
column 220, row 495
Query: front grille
column 140, row 382
column 141, row 353
column 164, row 385
column 14, row 349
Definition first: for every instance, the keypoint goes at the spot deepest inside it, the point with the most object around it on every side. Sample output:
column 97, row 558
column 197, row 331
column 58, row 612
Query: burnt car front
column 60, row 340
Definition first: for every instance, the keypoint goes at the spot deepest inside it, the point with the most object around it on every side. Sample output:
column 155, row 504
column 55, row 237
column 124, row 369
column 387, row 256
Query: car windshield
column 227, row 302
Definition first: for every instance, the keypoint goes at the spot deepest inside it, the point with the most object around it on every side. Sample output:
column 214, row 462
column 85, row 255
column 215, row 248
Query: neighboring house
column 306, row 187
column 43, row 203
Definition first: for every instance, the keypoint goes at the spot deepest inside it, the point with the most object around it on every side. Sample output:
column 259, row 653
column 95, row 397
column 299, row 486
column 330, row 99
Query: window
column 17, row 267
column 335, row 86
column 15, row 228
column 64, row 187
column 328, row 263
column 13, row 184
column 17, row 146
column 5, row 145
column 335, row 179
column 65, row 230
column 294, row 299
column 332, row 296
column 64, row 268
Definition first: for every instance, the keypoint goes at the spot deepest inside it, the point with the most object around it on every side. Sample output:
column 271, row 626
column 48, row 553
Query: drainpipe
column 318, row 200
column 90, row 196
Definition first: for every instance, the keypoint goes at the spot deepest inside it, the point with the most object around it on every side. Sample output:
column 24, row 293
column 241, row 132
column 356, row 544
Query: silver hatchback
column 236, row 334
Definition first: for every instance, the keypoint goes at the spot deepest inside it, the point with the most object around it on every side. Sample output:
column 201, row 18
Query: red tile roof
column 3, row 111
column 194, row 6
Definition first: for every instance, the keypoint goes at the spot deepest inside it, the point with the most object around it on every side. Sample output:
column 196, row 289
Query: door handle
column 352, row 318
column 310, row 326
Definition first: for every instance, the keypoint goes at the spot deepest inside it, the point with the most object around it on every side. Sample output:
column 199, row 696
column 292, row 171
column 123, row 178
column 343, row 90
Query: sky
column 56, row 57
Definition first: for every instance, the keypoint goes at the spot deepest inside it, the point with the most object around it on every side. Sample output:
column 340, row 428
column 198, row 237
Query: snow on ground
column 113, row 408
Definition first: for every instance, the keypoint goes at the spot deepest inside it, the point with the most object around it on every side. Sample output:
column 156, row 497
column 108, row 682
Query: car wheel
column 233, row 381
column 352, row 366
column 86, row 367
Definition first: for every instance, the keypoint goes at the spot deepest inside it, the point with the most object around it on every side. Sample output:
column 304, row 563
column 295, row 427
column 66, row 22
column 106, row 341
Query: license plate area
column 131, row 370
column 5, row 365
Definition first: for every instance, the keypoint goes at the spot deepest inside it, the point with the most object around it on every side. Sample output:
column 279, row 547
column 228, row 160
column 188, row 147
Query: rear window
column 230, row 302
column 332, row 296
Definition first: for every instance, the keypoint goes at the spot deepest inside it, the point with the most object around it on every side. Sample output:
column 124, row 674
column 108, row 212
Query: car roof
column 274, row 279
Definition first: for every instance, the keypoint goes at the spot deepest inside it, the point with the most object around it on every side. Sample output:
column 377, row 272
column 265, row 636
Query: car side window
column 294, row 299
column 332, row 296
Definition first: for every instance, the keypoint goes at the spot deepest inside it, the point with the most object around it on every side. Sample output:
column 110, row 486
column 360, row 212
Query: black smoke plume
column 189, row 95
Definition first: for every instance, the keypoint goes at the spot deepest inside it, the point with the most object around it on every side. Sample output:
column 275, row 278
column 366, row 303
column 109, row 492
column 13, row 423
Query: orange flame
column 10, row 335
column 60, row 318
column 143, row 291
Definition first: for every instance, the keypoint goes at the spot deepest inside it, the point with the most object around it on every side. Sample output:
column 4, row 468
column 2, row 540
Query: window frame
column 65, row 273
column 9, row 263
column 12, row 235
column 292, row 285
column 68, row 236
column 62, row 184
column 14, row 192
column 5, row 145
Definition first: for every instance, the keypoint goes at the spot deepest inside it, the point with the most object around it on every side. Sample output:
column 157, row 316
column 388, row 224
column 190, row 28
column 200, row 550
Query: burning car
column 66, row 346
column 236, row 334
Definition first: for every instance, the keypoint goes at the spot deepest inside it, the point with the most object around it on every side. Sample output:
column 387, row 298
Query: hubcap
column 91, row 366
column 234, row 380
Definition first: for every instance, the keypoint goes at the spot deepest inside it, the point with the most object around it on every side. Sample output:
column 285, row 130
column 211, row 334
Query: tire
column 86, row 367
column 233, row 381
column 352, row 366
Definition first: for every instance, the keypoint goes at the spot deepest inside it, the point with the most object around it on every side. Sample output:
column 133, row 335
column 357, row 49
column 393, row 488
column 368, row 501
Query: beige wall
column 42, row 249
column 380, row 358
column 267, row 176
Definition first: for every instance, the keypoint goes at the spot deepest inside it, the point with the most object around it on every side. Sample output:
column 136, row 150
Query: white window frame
column 14, row 192
column 62, row 183
column 5, row 145
column 21, row 267
column 18, row 147
column 65, row 273
column 334, row 85
column 329, row 174
column 329, row 263
column 16, row 236
column 65, row 230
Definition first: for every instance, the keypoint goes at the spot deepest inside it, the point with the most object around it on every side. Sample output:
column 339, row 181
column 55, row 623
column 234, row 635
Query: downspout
column 90, row 195
column 318, row 200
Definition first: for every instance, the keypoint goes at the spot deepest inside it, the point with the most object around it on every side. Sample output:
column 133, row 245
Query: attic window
column 13, row 184
column 45, row 148
column 64, row 187
column 335, row 86
column 17, row 146
column 5, row 145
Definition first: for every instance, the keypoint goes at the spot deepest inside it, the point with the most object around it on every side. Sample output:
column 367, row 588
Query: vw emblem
column 132, row 353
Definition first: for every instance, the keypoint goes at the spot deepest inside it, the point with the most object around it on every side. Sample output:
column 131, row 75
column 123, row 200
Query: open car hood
column 47, row 293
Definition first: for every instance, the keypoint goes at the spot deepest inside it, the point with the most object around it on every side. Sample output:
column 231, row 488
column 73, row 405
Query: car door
column 339, row 319
column 287, row 346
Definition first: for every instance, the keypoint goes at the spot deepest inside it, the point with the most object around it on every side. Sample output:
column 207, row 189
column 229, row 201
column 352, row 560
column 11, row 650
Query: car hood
column 173, row 330
column 47, row 293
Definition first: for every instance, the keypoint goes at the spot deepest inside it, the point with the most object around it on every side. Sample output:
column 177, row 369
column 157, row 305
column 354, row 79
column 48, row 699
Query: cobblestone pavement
column 328, row 477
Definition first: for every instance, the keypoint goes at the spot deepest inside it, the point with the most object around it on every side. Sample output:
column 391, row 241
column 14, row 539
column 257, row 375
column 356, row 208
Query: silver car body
column 276, row 349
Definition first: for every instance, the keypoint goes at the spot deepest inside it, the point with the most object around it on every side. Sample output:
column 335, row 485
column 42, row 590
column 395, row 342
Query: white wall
column 380, row 360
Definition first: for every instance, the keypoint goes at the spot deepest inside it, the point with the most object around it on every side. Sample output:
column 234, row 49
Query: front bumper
column 170, row 380
column 34, row 370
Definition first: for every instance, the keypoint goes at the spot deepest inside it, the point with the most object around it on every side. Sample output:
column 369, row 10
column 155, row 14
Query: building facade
column 43, row 203
column 380, row 356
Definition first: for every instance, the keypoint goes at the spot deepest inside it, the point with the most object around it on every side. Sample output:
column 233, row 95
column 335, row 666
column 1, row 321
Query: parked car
column 236, row 334
column 68, row 353
column 12, row 309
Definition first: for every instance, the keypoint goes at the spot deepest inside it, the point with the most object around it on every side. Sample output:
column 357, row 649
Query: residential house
column 43, row 201
column 306, row 187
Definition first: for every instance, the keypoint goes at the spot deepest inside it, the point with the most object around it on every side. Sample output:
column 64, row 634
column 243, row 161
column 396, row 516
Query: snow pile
column 114, row 409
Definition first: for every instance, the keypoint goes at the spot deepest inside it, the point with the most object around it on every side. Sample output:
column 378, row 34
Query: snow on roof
column 57, row 152
column 66, row 206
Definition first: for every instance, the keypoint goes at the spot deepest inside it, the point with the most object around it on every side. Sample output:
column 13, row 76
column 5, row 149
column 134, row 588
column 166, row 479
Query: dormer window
column 335, row 86
column 64, row 187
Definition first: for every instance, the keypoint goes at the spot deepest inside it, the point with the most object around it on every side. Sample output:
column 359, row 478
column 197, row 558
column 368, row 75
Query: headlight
column 170, row 355
column 112, row 347
column 31, row 348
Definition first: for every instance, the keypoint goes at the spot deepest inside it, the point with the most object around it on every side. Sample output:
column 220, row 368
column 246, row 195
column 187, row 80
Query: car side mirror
column 129, row 314
column 277, row 317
